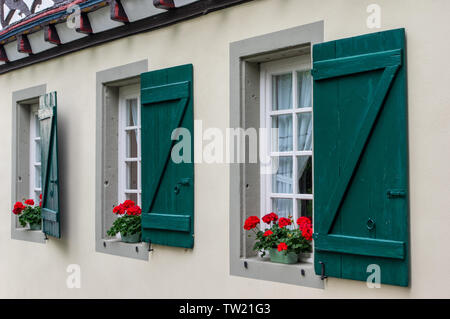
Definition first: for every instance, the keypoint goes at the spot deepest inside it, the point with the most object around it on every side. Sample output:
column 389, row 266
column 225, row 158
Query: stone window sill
column 119, row 248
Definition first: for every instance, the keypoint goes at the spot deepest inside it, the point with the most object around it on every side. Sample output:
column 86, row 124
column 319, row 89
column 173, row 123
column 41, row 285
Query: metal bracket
column 45, row 235
column 395, row 193
column 150, row 246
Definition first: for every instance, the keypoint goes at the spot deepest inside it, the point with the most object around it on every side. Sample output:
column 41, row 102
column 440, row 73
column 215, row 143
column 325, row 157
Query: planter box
column 35, row 226
column 283, row 258
column 132, row 239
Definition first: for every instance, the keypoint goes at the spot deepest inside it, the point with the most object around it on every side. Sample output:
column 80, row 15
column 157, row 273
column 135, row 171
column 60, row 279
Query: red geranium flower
column 251, row 222
column 134, row 211
column 128, row 203
column 284, row 222
column 268, row 233
column 40, row 196
column 303, row 221
column 282, row 246
column 119, row 209
column 307, row 232
column 272, row 217
column 29, row 202
column 18, row 208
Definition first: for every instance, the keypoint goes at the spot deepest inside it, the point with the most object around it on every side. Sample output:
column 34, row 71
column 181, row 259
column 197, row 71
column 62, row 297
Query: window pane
column 282, row 92
column 304, row 125
column 131, row 144
column 304, row 88
column 133, row 197
column 282, row 179
column 304, row 173
column 282, row 207
column 131, row 112
column 282, row 141
column 37, row 177
column 37, row 125
column 131, row 175
column 304, row 208
column 37, row 151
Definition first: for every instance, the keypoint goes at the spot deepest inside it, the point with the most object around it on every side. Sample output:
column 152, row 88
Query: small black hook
column 322, row 276
column 245, row 265
column 150, row 246
column 46, row 238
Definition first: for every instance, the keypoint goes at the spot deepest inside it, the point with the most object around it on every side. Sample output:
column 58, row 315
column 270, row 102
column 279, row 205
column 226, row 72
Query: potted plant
column 284, row 244
column 29, row 214
column 128, row 225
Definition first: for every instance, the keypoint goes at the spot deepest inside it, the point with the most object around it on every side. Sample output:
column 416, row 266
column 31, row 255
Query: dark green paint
column 167, row 187
column 360, row 157
column 49, row 165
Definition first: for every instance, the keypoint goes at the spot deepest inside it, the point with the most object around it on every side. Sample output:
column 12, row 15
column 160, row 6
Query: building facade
column 107, row 101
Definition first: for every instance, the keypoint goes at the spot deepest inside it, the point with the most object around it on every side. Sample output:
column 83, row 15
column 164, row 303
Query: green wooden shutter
column 167, row 187
column 360, row 157
column 49, row 165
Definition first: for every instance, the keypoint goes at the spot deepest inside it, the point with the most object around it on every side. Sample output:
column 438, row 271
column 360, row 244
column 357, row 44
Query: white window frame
column 127, row 93
column 267, row 71
column 35, row 190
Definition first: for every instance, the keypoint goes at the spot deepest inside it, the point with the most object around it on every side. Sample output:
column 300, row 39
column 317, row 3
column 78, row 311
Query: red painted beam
column 3, row 55
column 164, row 4
column 118, row 12
column 51, row 34
column 23, row 44
column 85, row 24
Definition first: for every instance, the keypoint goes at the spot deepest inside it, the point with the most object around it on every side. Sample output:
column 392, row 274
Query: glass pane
column 37, row 126
column 36, row 197
column 132, row 112
column 304, row 131
column 37, row 177
column 133, row 197
column 131, row 175
column 282, row 179
column 304, row 173
column 282, row 207
column 304, row 208
column 131, row 144
column 282, row 141
column 304, row 88
column 37, row 151
column 282, row 92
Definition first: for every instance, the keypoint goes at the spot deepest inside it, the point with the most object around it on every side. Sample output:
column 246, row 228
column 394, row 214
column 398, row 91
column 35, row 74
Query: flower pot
column 283, row 258
column 35, row 226
column 134, row 238
column 304, row 257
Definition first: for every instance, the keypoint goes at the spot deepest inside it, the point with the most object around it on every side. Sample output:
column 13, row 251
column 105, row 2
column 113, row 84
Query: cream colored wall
column 34, row 270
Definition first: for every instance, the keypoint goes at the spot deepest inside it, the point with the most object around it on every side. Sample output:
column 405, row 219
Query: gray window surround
column 21, row 103
column 245, row 58
column 108, row 83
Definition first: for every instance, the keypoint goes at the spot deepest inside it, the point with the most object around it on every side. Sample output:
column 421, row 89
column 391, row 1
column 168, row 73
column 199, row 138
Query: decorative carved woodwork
column 23, row 44
column 85, row 24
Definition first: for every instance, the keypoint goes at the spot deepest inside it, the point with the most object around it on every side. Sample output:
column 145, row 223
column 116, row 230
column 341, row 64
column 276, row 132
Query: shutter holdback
column 322, row 276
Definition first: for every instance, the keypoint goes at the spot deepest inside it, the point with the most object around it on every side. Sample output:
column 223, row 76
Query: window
column 129, row 142
column 270, row 87
column 26, row 157
column 118, row 152
column 35, row 154
column 286, row 108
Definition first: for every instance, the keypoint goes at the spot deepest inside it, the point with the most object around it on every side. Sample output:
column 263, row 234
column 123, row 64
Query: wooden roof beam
column 3, row 55
column 23, row 44
column 164, row 4
column 118, row 12
column 84, row 25
column 51, row 34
